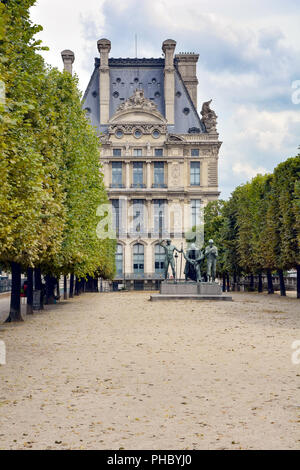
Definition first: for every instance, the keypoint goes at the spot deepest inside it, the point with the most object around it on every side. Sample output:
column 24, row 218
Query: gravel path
column 112, row 371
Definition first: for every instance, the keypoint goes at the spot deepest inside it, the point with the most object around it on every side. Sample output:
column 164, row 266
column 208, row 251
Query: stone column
column 169, row 181
column 204, row 173
column 127, row 175
column 106, row 173
column 128, row 258
column 148, row 175
column 148, row 259
column 104, row 46
column 68, row 58
column 149, row 214
column 181, row 173
column 182, row 215
column 168, row 48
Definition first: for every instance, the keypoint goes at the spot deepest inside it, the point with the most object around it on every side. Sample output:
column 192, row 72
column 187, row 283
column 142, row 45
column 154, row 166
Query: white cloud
column 248, row 61
column 267, row 129
column 247, row 171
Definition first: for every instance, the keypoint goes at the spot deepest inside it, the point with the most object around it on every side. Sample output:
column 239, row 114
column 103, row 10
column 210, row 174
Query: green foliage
column 214, row 220
column 24, row 195
column 49, row 160
column 286, row 179
column 259, row 227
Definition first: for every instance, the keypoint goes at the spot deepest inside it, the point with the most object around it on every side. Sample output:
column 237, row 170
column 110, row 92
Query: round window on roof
column 119, row 133
column 88, row 110
column 115, row 94
column 118, row 80
column 94, row 94
column 157, row 94
column 137, row 134
column 186, row 111
column 136, row 80
column 153, row 80
column 156, row 134
column 178, row 94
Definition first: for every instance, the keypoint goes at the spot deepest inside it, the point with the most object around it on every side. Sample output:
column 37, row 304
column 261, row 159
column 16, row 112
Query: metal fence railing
column 5, row 285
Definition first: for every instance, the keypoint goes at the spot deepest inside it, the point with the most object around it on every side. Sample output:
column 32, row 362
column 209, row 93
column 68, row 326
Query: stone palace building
column 159, row 157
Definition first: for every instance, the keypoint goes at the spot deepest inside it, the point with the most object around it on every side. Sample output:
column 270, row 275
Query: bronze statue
column 169, row 256
column 193, row 258
column 211, row 253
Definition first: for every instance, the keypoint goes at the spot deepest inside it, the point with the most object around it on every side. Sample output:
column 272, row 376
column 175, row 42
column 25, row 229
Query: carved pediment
column 137, row 109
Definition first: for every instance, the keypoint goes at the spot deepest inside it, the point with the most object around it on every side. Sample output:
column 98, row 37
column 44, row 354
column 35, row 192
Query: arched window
column 138, row 258
column 159, row 259
column 119, row 259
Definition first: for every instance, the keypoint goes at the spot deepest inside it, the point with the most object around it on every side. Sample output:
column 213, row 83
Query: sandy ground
column 114, row 371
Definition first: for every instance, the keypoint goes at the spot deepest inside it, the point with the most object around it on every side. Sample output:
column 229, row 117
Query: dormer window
column 156, row 134
column 137, row 134
column 119, row 133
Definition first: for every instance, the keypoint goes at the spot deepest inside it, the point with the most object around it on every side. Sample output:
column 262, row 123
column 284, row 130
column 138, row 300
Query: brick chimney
column 68, row 58
column 168, row 48
column 104, row 46
column 187, row 63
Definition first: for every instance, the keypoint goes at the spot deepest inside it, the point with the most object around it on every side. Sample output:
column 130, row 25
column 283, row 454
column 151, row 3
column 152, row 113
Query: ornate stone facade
column 159, row 159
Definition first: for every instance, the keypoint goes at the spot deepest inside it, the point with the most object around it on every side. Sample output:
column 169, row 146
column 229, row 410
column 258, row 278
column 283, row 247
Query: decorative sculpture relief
column 145, row 128
column 138, row 100
column 175, row 174
column 209, row 117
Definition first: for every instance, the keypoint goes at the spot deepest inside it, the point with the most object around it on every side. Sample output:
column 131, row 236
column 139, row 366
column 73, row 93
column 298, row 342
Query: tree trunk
column 77, row 286
column 15, row 303
column 298, row 281
column 281, row 282
column 260, row 283
column 39, row 286
column 65, row 288
column 89, row 287
column 29, row 309
column 228, row 282
column 270, row 282
column 251, row 287
column 58, row 288
column 50, row 287
column 224, row 283
column 234, row 287
column 71, row 292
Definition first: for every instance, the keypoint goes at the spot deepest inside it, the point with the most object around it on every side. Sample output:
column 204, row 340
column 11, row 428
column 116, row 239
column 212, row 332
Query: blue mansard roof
column 126, row 75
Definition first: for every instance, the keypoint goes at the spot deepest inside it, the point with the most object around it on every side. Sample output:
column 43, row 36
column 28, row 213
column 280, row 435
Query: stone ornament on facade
column 164, row 141
column 175, row 174
column 209, row 118
column 132, row 128
column 138, row 111
column 104, row 138
column 137, row 100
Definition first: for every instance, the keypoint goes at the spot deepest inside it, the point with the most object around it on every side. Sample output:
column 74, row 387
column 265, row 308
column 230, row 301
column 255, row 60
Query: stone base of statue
column 190, row 290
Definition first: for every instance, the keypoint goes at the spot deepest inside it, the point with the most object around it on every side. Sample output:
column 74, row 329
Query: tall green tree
column 27, row 195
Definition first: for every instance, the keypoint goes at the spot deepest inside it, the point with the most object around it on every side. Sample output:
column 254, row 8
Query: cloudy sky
column 249, row 63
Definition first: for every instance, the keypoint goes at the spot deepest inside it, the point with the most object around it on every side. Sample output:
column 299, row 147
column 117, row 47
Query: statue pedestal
column 170, row 290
